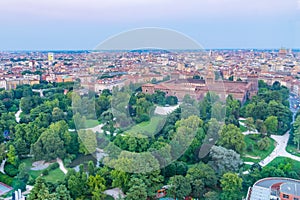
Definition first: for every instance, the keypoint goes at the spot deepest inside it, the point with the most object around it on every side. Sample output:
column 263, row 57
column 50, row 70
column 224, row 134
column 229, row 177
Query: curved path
column 61, row 166
column 2, row 166
column 18, row 115
column 280, row 149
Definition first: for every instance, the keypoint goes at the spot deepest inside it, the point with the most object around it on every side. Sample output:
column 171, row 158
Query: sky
column 83, row 24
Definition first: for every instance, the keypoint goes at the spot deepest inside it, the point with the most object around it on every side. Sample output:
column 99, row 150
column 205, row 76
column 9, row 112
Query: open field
column 148, row 128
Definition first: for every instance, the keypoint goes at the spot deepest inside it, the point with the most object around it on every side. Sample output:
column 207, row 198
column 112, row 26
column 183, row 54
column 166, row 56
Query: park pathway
column 116, row 193
column 280, row 149
column 2, row 166
column 61, row 166
column 96, row 128
column 18, row 115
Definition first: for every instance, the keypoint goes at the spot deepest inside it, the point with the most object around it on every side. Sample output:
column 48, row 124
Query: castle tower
column 253, row 79
column 210, row 76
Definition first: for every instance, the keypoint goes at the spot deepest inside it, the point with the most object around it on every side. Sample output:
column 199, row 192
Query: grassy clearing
column 279, row 160
column 54, row 176
column 293, row 150
column 256, row 155
column 150, row 127
column 243, row 128
column 91, row 123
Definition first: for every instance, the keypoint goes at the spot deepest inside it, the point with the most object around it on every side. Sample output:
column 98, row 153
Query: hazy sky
column 82, row 24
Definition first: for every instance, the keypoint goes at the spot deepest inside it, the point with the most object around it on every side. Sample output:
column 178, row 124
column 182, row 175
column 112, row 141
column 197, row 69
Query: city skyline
column 77, row 24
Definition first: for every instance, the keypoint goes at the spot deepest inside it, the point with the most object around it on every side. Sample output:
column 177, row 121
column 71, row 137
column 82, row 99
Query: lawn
column 293, row 150
column 108, row 197
column 90, row 123
column 256, row 155
column 243, row 128
column 246, row 167
column 54, row 175
column 148, row 128
column 277, row 161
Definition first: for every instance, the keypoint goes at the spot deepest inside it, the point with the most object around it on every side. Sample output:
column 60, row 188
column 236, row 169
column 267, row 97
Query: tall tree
column 87, row 141
column 271, row 124
column 97, row 186
column 231, row 185
column 224, row 160
column 12, row 157
column 180, row 187
column 62, row 193
column 296, row 135
column 49, row 146
column 232, row 138
column 137, row 190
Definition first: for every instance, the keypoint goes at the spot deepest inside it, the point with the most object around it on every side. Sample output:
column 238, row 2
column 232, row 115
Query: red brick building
column 198, row 88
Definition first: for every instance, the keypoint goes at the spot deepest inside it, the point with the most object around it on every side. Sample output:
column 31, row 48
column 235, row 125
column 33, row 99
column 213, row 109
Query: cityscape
column 149, row 100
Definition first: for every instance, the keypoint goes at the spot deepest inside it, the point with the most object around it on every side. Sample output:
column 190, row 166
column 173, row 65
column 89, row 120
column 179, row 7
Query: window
column 285, row 196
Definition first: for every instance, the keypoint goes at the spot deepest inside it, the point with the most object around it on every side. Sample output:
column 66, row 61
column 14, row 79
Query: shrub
column 54, row 166
column 6, row 179
column 45, row 172
column 263, row 144
column 10, row 170
column 250, row 148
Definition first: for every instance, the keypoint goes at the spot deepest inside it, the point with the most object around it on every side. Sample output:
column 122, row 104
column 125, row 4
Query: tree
column 232, row 110
column 137, row 190
column 249, row 123
column 211, row 196
column 39, row 191
column 62, row 193
column 87, row 141
column 12, row 157
column 201, row 175
column 57, row 114
column 231, row 185
column 260, row 126
column 171, row 100
column 232, row 138
column 224, row 160
column 180, row 187
column 91, row 168
column 296, row 138
column 97, row 186
column 271, row 124
column 120, row 179
column 264, row 143
column 152, row 180
column 49, row 146
column 26, row 104
column 2, row 152
column 21, row 147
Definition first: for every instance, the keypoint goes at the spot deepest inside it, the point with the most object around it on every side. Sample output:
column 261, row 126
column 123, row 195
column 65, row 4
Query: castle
column 198, row 88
